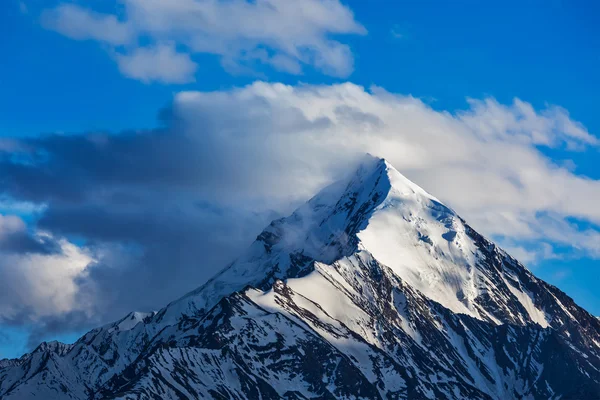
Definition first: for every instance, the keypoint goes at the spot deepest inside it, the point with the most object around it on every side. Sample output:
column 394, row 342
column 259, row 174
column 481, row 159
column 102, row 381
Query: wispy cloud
column 286, row 35
column 397, row 32
column 23, row 7
column 82, row 24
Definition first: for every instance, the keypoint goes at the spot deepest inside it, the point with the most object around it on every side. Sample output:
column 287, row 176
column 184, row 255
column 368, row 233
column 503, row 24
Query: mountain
column 373, row 289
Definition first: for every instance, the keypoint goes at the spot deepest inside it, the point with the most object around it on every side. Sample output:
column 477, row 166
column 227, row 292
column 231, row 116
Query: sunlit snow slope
column 373, row 289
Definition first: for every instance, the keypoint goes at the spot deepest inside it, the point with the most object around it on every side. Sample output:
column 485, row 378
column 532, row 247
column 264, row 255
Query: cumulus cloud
column 485, row 161
column 41, row 285
column 161, row 63
column 285, row 34
column 38, row 273
column 162, row 210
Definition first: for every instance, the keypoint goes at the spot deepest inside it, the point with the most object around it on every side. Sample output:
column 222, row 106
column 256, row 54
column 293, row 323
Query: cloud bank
column 130, row 221
column 285, row 35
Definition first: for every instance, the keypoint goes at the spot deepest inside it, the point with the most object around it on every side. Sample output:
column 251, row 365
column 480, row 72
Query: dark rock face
column 311, row 312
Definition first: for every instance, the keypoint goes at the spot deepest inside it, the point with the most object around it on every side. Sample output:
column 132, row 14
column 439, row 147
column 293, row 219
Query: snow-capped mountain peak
column 377, row 210
column 324, row 229
column 373, row 289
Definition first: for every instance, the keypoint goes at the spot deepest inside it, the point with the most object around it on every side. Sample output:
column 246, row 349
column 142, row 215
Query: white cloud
column 160, row 63
column 490, row 119
column 81, row 24
column 534, row 254
column 34, row 285
column 285, row 34
column 483, row 161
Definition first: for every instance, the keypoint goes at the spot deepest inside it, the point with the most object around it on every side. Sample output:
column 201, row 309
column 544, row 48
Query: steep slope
column 372, row 289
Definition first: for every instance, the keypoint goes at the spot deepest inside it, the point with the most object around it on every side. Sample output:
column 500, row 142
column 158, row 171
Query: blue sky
column 60, row 78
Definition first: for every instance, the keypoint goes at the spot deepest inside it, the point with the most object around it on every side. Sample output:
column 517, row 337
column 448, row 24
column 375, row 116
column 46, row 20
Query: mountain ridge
column 401, row 293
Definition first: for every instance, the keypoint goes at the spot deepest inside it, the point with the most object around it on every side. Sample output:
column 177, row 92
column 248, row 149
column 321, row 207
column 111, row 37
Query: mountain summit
column 373, row 289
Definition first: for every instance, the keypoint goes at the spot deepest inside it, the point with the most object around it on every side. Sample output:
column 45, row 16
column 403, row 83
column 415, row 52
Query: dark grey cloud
column 68, row 168
column 48, row 327
column 161, row 210
column 24, row 243
column 152, row 256
column 148, row 205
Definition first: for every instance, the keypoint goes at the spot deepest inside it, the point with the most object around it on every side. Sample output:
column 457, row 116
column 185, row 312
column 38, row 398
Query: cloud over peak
column 183, row 200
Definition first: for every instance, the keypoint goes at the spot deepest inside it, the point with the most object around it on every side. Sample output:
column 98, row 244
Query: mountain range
column 373, row 289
